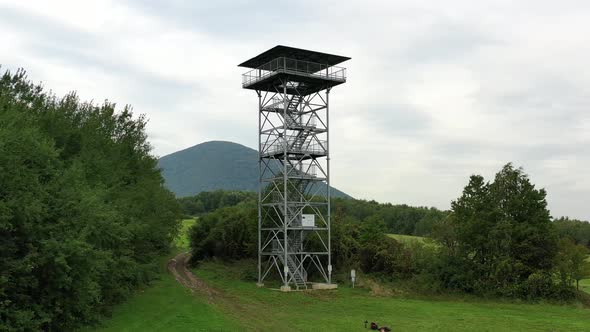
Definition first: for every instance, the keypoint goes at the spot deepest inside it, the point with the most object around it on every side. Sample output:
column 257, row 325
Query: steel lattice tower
column 293, row 87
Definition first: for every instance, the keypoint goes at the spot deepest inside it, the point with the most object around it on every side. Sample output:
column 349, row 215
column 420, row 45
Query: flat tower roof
column 293, row 53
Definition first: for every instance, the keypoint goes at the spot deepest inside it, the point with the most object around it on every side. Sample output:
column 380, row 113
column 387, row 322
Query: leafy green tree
column 372, row 231
column 228, row 233
column 504, row 232
column 571, row 262
column 445, row 233
column 345, row 240
column 83, row 213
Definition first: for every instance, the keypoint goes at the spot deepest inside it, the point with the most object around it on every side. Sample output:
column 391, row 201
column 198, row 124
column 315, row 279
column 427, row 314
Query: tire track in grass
column 250, row 319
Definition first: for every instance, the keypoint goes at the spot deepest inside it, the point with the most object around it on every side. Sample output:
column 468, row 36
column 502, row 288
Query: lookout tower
column 293, row 87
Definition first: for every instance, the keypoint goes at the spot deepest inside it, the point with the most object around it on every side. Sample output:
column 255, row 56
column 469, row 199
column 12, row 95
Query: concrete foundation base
column 260, row 284
column 323, row 286
column 285, row 288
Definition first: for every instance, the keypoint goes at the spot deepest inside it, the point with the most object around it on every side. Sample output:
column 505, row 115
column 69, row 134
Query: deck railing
column 277, row 146
column 304, row 171
column 299, row 67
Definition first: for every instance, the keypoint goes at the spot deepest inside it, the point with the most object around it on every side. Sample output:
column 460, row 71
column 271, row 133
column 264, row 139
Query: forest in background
column 398, row 219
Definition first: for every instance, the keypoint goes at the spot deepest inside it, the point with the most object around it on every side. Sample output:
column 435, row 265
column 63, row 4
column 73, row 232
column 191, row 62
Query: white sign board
column 308, row 220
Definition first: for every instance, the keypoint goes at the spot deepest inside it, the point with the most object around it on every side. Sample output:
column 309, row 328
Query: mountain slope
column 213, row 165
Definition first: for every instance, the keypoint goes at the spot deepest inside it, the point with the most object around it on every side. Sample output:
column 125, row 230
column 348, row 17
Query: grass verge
column 166, row 305
column 346, row 309
column 241, row 306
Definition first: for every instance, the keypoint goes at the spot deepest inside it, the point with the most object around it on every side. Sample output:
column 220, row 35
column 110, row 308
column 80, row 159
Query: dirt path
column 250, row 316
column 178, row 267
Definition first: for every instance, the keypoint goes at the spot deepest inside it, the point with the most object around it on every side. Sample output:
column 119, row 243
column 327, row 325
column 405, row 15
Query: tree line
column 398, row 219
column 84, row 215
column 498, row 239
column 208, row 201
column 577, row 231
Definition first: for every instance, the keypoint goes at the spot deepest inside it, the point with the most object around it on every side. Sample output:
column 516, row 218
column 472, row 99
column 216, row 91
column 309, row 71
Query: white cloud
column 437, row 90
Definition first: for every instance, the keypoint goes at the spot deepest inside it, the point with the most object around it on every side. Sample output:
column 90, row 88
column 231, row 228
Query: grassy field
column 346, row 309
column 411, row 238
column 406, row 238
column 240, row 306
column 167, row 306
column 182, row 241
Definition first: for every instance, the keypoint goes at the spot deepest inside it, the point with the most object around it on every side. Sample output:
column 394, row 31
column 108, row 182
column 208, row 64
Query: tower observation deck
column 293, row 87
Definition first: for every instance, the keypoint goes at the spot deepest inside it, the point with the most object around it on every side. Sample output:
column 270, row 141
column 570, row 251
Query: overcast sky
column 436, row 91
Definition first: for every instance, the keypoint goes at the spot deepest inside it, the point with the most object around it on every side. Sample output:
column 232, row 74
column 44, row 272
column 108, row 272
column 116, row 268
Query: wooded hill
column 213, row 166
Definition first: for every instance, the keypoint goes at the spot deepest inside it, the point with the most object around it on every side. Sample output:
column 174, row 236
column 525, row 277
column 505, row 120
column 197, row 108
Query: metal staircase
column 294, row 121
column 296, row 272
column 301, row 138
column 295, row 244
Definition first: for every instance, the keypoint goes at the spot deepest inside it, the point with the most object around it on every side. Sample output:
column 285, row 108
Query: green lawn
column 241, row 306
column 346, row 309
column 166, row 306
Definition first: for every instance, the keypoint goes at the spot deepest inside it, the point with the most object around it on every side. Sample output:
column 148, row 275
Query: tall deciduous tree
column 504, row 231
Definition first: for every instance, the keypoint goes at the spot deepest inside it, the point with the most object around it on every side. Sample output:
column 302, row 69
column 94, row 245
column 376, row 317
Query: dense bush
column 228, row 233
column 83, row 213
